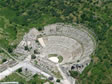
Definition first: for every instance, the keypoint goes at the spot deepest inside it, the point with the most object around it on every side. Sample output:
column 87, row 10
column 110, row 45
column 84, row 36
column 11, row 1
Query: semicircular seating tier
column 64, row 46
column 66, row 39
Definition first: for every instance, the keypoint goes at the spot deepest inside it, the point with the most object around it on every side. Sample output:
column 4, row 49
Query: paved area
column 65, row 79
column 10, row 71
column 25, row 64
column 41, row 42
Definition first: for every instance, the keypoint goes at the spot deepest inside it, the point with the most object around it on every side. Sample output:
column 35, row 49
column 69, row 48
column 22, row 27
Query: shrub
column 10, row 50
column 74, row 74
column 4, row 60
column 36, row 75
column 33, row 56
column 21, row 83
column 36, row 52
column 40, row 28
column 26, row 48
column 58, row 80
column 20, row 70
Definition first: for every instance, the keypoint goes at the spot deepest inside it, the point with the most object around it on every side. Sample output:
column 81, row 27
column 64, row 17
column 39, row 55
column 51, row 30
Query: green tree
column 10, row 50
column 26, row 48
column 58, row 80
column 21, row 83
column 20, row 70
column 4, row 60
column 40, row 28
column 33, row 56
column 74, row 74
column 34, row 82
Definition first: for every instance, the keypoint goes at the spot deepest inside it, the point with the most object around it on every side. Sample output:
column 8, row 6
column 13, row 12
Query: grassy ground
column 60, row 59
column 15, row 77
column 52, row 55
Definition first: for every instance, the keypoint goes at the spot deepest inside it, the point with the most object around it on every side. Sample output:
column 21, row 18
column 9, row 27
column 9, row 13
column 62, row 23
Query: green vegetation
column 57, row 74
column 38, row 80
column 52, row 55
column 4, row 60
column 27, row 48
column 35, row 62
column 3, row 57
column 17, row 17
column 33, row 56
column 55, row 55
column 74, row 74
column 10, row 50
column 36, row 52
column 58, row 80
column 40, row 28
column 60, row 59
column 19, row 70
column 15, row 77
